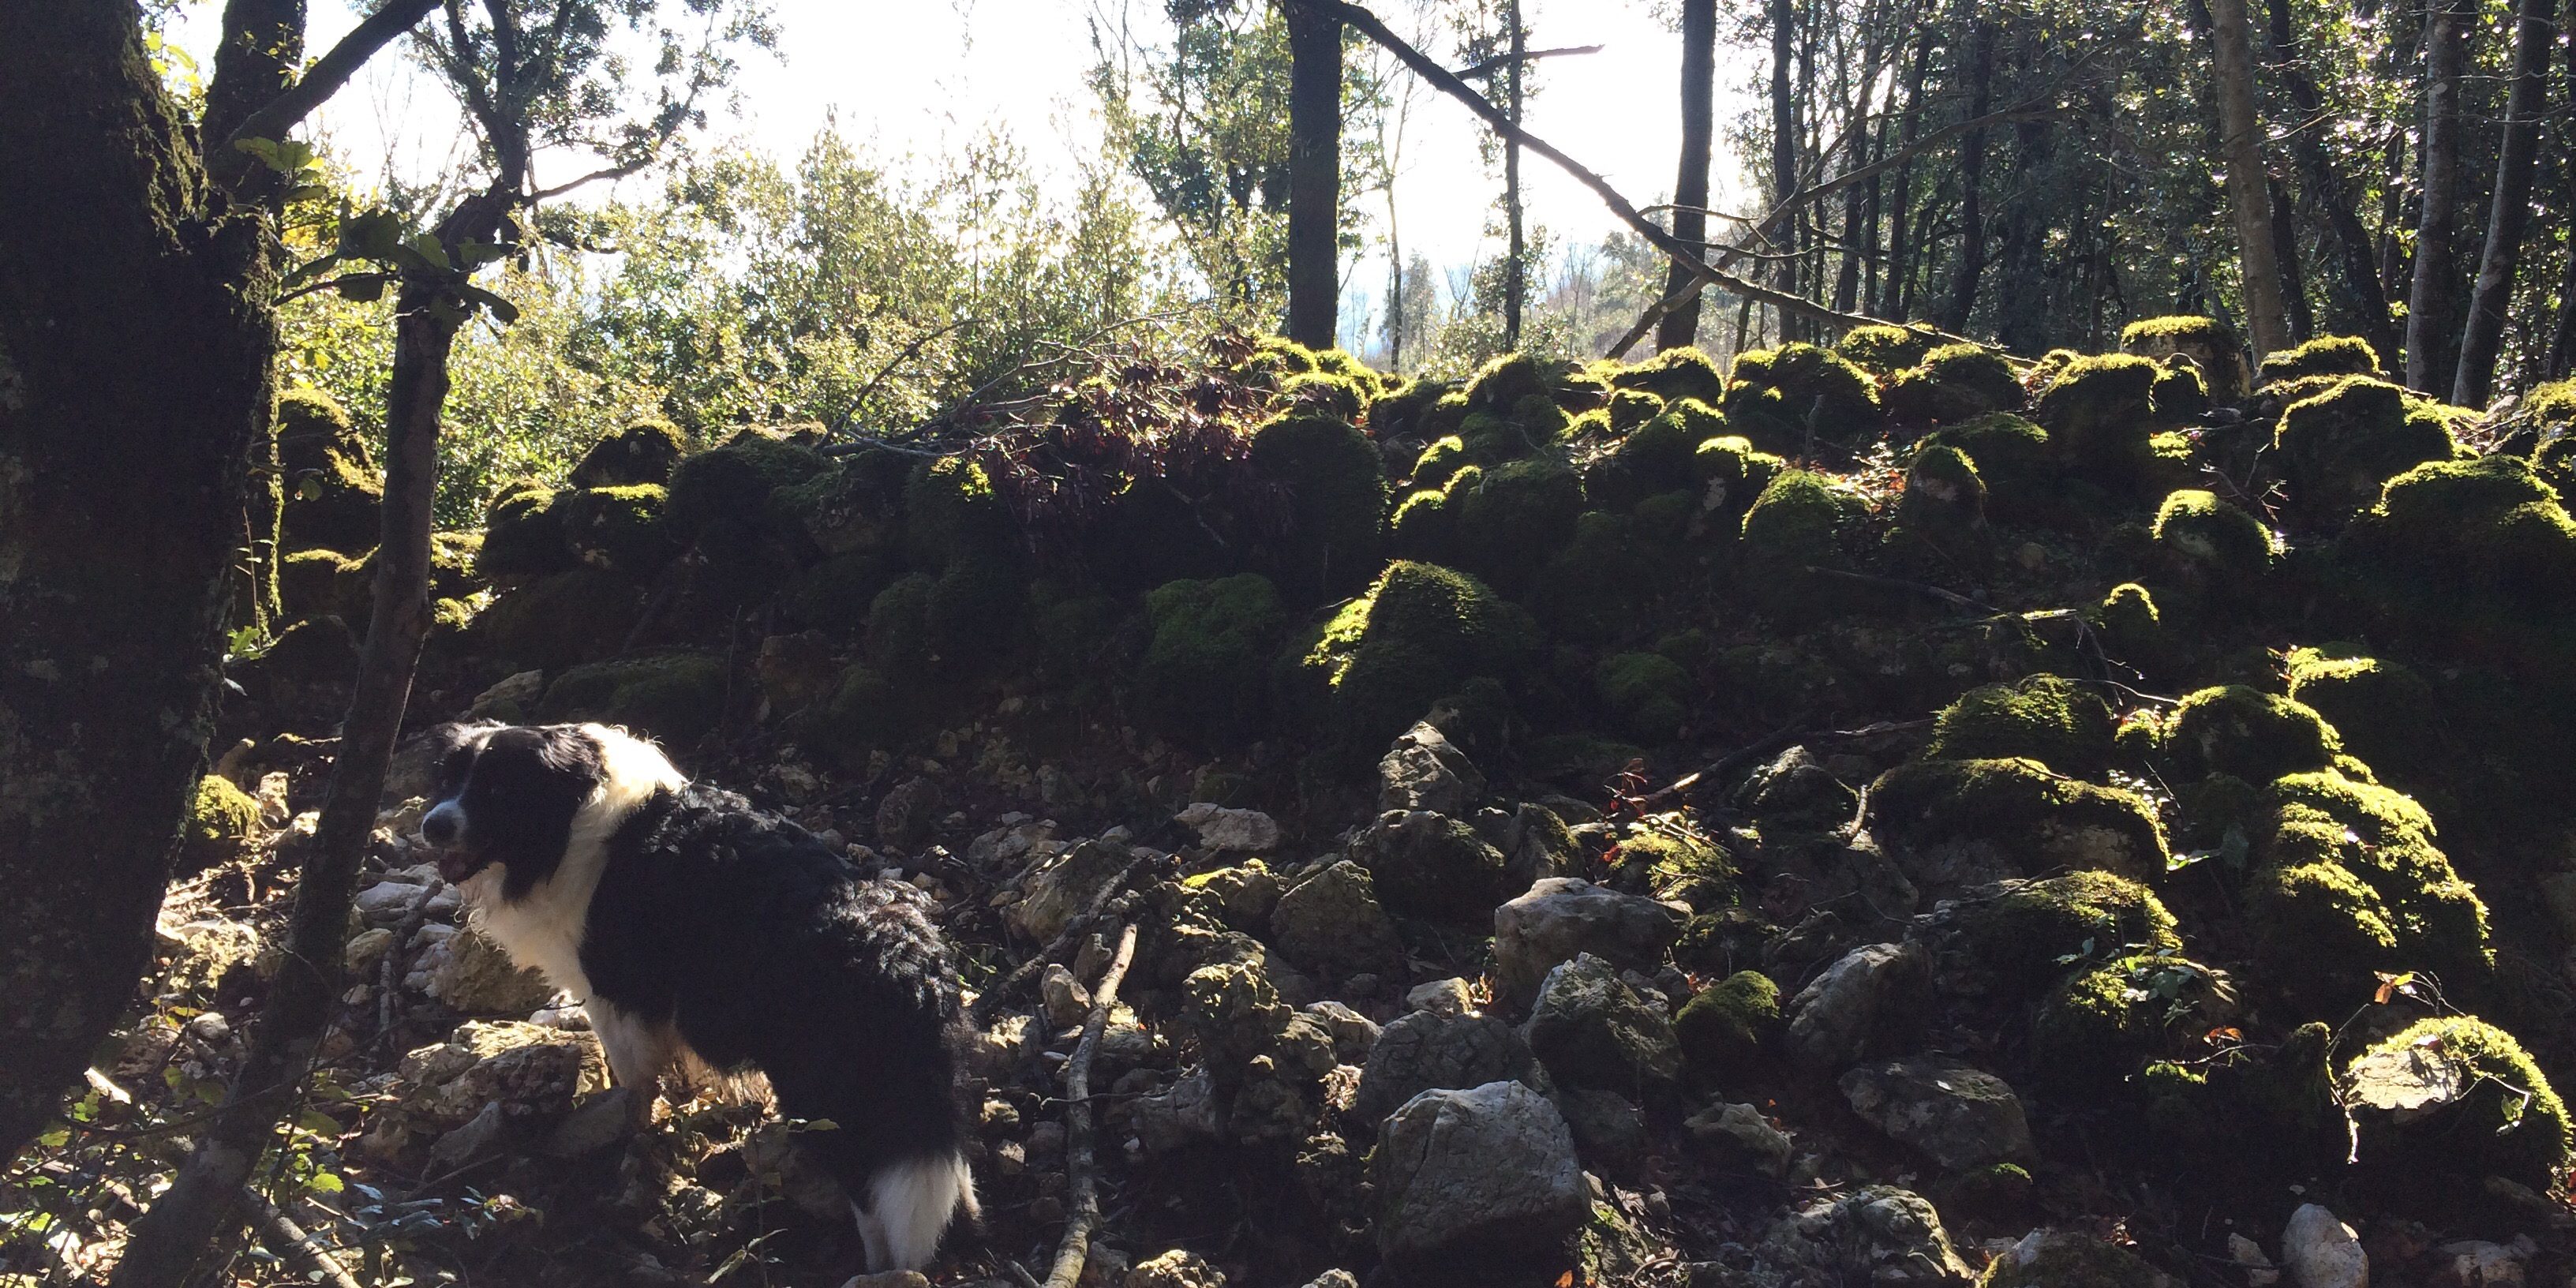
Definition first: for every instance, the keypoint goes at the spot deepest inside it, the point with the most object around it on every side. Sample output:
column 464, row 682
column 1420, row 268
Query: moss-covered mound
column 1954, row 382
column 643, row 452
column 2012, row 817
column 1725, row 1027
column 1656, row 457
column 674, row 697
column 1337, row 497
column 2337, row 448
column 2013, row 459
column 1685, row 372
column 2448, row 1102
column 1202, row 678
column 1419, row 634
column 2107, row 1020
column 2053, row 720
column 2212, row 550
column 2249, row 734
column 2028, row 930
column 1882, row 350
column 2100, row 413
column 334, row 495
column 2351, row 882
column 730, row 484
column 561, row 619
column 2470, row 558
column 221, row 821
column 1784, row 398
column 2384, row 711
column 2212, row 345
column 2327, row 355
column 1944, row 493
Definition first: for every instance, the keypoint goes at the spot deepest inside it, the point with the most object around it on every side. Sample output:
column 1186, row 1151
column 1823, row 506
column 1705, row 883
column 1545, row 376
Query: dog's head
column 508, row 794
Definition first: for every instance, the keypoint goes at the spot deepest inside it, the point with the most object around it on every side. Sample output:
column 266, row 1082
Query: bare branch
column 327, row 75
column 1500, row 61
column 1082, row 1191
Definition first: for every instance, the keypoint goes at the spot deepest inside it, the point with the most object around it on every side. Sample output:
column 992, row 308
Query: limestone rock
column 2320, row 1251
column 1592, row 1030
column 1478, row 1171
column 1961, row 1117
column 1428, row 1050
column 1878, row 1235
column 1332, row 922
column 1238, row 831
column 1560, row 917
column 1425, row 771
column 1432, row 865
column 1741, row 1134
column 473, row 976
column 1856, row 1006
column 1178, row 1268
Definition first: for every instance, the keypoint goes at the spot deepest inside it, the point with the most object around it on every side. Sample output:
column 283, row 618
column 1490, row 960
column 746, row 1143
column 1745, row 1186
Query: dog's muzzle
column 444, row 828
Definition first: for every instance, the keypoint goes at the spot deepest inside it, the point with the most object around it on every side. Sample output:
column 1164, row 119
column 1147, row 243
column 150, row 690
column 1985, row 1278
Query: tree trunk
column 2561, row 361
column 2294, row 276
column 2022, row 321
column 2356, row 262
column 1784, row 145
column 201, row 1203
column 1680, row 327
column 1314, row 175
column 2249, row 196
column 1891, row 303
column 1847, row 279
column 1516, row 269
column 2510, row 213
column 1972, row 176
column 135, row 342
column 2432, row 314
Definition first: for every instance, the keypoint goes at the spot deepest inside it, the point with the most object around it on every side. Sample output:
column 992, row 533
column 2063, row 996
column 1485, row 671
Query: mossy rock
column 1683, row 372
column 673, row 697
column 2053, row 720
column 951, row 513
column 2447, row 1102
column 2208, row 342
column 732, row 482
column 222, row 820
column 2383, row 711
column 523, row 534
column 334, row 493
column 1404, row 412
column 1630, row 408
column 619, row 528
column 308, row 582
column 1337, row 499
column 2181, row 393
column 1725, row 1027
column 1732, row 475
column 2339, row 448
column 2327, row 355
column 1513, row 517
column 1601, row 587
column 1802, row 519
column 835, row 595
column 1944, row 495
column 1417, row 635
column 643, row 452
column 1201, row 680
column 2268, row 1112
column 1425, row 526
column 2352, row 882
column 2211, row 548
column 453, row 560
column 2066, row 1259
column 1781, row 397
column 1656, row 457
column 861, row 713
column 2050, row 366
column 2247, row 733
column 1647, row 694
column 2475, row 555
column 1274, row 358
column 1882, row 350
column 2013, row 817
column 2132, row 629
column 1342, row 397
column 2012, row 459
column 1504, row 382
column 1955, row 382
column 1439, row 462
column 2100, row 413
column 560, row 620
column 2024, row 933
column 854, row 506
column 1676, row 864
column 2105, row 1021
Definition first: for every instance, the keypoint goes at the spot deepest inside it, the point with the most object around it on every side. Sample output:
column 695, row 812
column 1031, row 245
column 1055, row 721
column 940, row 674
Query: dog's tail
column 910, row 1205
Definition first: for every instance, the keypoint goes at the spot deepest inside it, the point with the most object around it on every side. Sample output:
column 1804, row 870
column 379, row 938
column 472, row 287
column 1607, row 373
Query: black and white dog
column 695, row 927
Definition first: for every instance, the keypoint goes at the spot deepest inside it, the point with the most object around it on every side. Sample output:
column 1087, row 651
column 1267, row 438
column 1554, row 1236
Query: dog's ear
column 438, row 740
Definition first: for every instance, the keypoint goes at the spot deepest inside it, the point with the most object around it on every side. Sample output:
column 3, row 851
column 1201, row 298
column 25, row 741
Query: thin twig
column 980, row 1013
column 1081, row 1188
column 287, row 1239
column 910, row 351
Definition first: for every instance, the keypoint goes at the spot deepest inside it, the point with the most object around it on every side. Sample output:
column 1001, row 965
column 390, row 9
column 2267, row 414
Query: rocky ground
column 1880, row 816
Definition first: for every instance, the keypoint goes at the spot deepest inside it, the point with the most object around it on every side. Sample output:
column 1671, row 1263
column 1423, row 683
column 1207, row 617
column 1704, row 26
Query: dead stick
column 287, row 1239
column 980, row 1013
column 1080, row 1186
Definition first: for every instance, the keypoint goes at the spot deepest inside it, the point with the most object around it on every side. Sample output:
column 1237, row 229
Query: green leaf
column 311, row 270
column 365, row 288
column 428, row 248
column 502, row 309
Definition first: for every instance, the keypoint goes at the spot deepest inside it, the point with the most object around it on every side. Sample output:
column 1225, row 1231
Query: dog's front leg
column 638, row 1051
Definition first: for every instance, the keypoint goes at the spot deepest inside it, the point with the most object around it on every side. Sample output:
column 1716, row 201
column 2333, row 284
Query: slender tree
column 1784, row 145
column 2249, row 197
column 2432, row 313
column 2560, row 361
column 2365, row 303
column 1680, row 326
column 137, row 329
column 1314, row 174
column 1516, row 267
column 2509, row 215
column 1972, row 177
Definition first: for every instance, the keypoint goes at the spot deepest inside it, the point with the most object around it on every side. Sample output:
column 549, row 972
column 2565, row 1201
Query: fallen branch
column 1719, row 770
column 980, row 1013
column 290, row 1241
column 1081, row 1187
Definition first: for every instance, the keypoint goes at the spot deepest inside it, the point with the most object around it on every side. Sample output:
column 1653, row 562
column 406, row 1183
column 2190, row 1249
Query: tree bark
column 2561, row 359
column 1972, row 176
column 135, row 342
column 1314, row 175
column 2432, row 313
column 2356, row 262
column 2249, row 196
column 1516, row 268
column 1784, row 145
column 2509, row 215
column 1680, row 327
column 1893, row 297
column 2294, row 276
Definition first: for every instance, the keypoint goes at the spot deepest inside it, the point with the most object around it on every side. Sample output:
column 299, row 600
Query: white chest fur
column 543, row 928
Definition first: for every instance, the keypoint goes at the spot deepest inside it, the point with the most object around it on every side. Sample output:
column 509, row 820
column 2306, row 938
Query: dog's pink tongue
column 455, row 866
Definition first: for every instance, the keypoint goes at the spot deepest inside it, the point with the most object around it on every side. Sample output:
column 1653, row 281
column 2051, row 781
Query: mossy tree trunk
column 1314, row 174
column 2509, row 215
column 1680, row 327
column 2432, row 314
column 135, row 341
column 2249, row 194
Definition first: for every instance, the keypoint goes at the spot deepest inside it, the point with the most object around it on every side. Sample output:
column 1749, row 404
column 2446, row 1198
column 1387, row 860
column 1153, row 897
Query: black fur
column 767, row 949
column 520, row 788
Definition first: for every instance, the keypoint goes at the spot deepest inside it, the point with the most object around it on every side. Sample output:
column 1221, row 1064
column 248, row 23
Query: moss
column 643, row 452
column 2102, row 1023
column 619, row 528
column 2210, row 343
column 2012, row 457
column 2132, row 628
column 1673, row 863
column 674, row 697
column 2248, row 733
column 561, row 619
column 523, row 534
column 1955, row 382
column 2181, row 393
column 2338, row 448
column 732, row 482
column 2056, row 721
column 2023, row 934
column 2384, row 711
column 1882, row 350
column 1419, row 632
column 2064, row 1259
column 1674, row 374
column 951, row 512
column 898, row 638
column 1201, row 678
column 2212, row 548
column 308, row 582
column 1648, row 696
column 1803, row 518
column 1943, row 492
column 2050, row 366
column 834, row 595
column 334, row 494
column 2480, row 551
column 2099, row 414
column 221, row 821
column 1515, row 517
column 2504, row 1120
column 1732, row 474
column 1273, row 359
column 855, row 505
column 1325, row 393
column 1725, row 1026
column 1404, row 412
column 1630, row 408
column 1337, row 498
column 2327, row 355
column 974, row 610
column 1596, row 590
column 1439, row 462
column 2033, row 819
column 1654, row 458
column 1426, row 524
column 1780, row 398
column 1501, row 384
column 2353, row 881
column 862, row 713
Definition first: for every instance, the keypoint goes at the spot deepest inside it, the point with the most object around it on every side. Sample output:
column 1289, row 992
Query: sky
column 912, row 77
